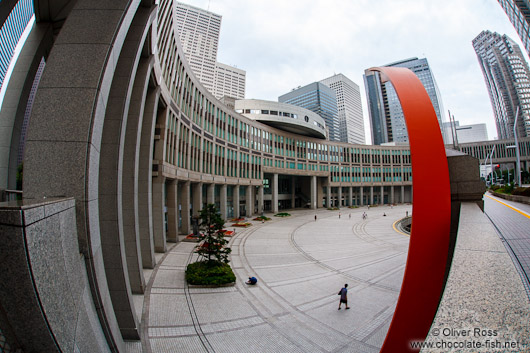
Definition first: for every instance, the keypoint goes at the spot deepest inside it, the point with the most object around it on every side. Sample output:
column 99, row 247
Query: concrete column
column 275, row 193
column 210, row 194
column 361, row 196
column 235, row 200
column 172, row 211
column 260, row 199
column 339, row 196
column 392, row 194
column 411, row 194
column 350, row 196
column 313, row 192
column 328, row 195
column 402, row 194
column 185, row 201
column 159, row 230
column 222, row 201
column 249, row 203
column 371, row 195
column 382, row 195
column 197, row 198
column 293, row 195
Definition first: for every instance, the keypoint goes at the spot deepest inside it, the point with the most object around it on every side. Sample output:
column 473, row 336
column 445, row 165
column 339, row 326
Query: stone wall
column 44, row 290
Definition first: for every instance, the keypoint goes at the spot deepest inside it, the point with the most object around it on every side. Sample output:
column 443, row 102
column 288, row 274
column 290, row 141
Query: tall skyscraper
column 320, row 99
column 507, row 78
column 519, row 14
column 199, row 34
column 387, row 123
column 229, row 81
column 11, row 31
column 350, row 111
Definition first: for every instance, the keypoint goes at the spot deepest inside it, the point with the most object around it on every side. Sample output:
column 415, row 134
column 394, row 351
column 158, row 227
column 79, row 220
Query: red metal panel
column 431, row 217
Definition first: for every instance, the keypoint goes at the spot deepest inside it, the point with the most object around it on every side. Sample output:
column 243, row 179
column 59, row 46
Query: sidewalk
column 300, row 264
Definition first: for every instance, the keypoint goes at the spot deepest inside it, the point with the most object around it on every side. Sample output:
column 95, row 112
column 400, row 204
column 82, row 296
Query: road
column 512, row 221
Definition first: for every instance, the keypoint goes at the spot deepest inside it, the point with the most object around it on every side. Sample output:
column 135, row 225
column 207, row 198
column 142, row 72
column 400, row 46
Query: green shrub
column 508, row 189
column 209, row 273
column 495, row 187
column 521, row 191
column 282, row 214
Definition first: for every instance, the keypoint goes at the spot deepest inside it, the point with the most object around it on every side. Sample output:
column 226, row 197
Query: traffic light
column 498, row 166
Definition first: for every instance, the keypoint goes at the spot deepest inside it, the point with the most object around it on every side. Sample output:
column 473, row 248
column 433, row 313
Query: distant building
column 229, row 81
column 519, row 14
column 199, row 34
column 320, row 99
column 387, row 123
column 349, row 106
column 466, row 133
column 507, row 78
column 11, row 31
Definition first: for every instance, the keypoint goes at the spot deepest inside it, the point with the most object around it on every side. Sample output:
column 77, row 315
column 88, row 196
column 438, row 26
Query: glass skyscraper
column 11, row 32
column 519, row 14
column 350, row 111
column 507, row 78
column 320, row 99
column 387, row 123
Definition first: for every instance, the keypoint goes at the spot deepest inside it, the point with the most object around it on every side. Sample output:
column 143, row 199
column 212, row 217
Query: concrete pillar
column 402, row 194
column 235, row 200
column 249, row 203
column 159, row 229
column 260, row 199
column 328, row 195
column 185, row 201
column 350, row 196
column 293, row 188
column 371, row 195
column 210, row 194
column 392, row 194
column 382, row 195
column 275, row 193
column 313, row 192
column 197, row 198
column 223, row 201
column 361, row 196
column 172, row 211
column 339, row 197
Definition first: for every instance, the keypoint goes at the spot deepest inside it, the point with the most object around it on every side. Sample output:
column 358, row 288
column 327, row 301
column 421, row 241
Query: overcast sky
column 283, row 44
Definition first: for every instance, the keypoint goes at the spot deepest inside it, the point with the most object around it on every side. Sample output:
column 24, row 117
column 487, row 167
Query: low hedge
column 521, row 191
column 209, row 273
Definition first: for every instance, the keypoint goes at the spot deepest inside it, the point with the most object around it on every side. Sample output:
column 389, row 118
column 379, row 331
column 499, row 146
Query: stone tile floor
column 300, row 264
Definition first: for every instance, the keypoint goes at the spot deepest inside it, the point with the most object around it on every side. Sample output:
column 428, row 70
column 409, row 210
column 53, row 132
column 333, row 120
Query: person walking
column 315, row 218
column 344, row 296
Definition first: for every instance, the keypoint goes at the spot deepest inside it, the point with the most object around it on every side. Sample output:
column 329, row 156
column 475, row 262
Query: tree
column 214, row 242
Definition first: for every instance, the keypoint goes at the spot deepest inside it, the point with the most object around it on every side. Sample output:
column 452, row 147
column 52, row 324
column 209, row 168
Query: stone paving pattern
column 514, row 228
column 301, row 264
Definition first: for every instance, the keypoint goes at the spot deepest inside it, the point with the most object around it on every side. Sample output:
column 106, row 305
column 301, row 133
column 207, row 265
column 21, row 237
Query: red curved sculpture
column 423, row 281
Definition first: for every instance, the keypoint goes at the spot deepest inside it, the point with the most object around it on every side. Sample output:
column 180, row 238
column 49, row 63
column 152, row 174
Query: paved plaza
column 301, row 264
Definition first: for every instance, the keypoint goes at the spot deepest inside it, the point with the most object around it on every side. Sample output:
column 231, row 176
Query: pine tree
column 214, row 245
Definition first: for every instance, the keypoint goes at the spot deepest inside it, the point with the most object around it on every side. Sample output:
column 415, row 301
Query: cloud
column 285, row 44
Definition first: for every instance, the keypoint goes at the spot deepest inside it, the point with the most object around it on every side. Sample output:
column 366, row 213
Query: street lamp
column 517, row 179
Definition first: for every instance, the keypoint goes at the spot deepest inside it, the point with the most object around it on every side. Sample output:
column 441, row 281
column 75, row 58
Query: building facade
column 320, row 99
column 387, row 123
column 465, row 133
column 519, row 14
column 229, row 81
column 13, row 25
column 349, row 107
column 507, row 78
column 199, row 34
column 286, row 117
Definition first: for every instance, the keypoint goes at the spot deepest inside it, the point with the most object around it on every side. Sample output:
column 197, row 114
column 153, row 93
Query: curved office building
column 286, row 117
column 123, row 147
